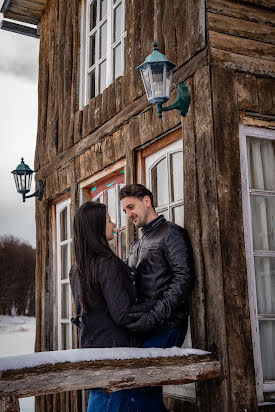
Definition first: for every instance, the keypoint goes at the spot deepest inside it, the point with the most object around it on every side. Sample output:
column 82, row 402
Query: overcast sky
column 18, row 123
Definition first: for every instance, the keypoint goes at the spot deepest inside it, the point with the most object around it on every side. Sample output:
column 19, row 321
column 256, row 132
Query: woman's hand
column 144, row 322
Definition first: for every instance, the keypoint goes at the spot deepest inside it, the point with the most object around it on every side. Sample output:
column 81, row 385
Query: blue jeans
column 147, row 399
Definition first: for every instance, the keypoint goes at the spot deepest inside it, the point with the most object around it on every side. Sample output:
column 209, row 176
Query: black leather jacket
column 165, row 270
column 104, row 325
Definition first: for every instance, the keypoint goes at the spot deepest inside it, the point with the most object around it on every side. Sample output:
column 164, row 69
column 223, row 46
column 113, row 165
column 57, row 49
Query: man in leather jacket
column 165, row 270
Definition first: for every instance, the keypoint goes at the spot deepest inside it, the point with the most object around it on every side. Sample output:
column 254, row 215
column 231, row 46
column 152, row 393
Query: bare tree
column 17, row 277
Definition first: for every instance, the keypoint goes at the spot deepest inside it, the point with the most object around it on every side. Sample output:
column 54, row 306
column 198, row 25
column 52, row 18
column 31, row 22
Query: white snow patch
column 93, row 354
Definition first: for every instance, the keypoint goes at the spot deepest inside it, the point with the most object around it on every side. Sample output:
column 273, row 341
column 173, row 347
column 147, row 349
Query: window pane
column 122, row 235
column 267, row 339
column 63, row 225
column 263, row 222
column 117, row 61
column 92, row 54
column 111, row 203
column 93, row 9
column 65, row 301
column 103, row 40
column 65, row 336
column 64, row 261
column 164, row 212
column 159, row 183
column 102, row 76
column 261, row 163
column 176, row 176
column 177, row 215
column 103, row 8
column 265, row 284
column 117, row 23
column 91, row 81
column 113, row 244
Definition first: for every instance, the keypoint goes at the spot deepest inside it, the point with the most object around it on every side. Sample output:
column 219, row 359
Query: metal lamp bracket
column 182, row 101
column 39, row 192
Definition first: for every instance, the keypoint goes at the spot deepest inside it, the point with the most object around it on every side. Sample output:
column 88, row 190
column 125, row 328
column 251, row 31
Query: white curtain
column 261, row 165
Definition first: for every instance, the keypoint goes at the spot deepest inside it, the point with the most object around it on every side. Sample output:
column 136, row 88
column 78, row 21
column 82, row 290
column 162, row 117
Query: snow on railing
column 107, row 368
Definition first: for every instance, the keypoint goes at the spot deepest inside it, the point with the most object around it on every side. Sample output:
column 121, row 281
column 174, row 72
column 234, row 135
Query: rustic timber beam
column 109, row 374
column 19, row 29
column 108, row 128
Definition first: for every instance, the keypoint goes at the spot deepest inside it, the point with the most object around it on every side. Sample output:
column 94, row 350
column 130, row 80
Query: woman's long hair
column 90, row 244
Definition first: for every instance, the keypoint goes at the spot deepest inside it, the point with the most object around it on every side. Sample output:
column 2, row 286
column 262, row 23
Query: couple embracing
column 140, row 303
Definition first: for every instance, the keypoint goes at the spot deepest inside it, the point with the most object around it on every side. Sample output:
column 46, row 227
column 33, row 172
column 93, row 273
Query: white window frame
column 85, row 34
column 244, row 132
column 59, row 208
column 187, row 391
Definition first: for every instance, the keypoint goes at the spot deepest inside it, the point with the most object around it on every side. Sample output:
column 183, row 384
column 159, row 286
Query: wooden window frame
column 260, row 133
column 85, row 34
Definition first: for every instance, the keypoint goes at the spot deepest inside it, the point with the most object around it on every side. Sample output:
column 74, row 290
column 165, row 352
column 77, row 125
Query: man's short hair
column 136, row 190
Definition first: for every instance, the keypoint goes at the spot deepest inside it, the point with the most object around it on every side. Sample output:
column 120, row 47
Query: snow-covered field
column 17, row 337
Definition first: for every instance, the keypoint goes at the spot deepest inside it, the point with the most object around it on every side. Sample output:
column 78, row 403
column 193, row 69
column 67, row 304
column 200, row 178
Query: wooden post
column 9, row 404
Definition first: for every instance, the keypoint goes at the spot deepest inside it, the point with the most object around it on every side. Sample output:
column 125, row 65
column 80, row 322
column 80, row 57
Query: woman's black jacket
column 104, row 325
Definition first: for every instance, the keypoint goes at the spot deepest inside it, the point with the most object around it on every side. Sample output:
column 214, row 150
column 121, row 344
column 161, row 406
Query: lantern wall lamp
column 23, row 178
column 157, row 75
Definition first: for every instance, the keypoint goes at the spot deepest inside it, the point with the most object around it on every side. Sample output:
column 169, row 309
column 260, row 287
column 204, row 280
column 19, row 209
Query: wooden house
column 212, row 171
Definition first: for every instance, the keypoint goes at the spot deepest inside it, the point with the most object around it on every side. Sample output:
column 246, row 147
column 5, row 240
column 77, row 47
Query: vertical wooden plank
column 168, row 30
column 219, row 399
column 61, row 4
column 158, row 19
column 226, row 128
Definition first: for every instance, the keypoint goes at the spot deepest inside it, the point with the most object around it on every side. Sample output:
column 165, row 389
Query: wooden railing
column 111, row 369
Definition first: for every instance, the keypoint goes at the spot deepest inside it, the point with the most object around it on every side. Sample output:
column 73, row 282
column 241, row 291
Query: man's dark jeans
column 140, row 399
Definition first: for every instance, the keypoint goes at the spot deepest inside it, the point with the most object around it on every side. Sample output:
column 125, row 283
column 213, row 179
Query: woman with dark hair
column 104, row 292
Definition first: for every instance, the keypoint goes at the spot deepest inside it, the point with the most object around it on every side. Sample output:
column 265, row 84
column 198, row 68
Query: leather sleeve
column 179, row 255
column 111, row 277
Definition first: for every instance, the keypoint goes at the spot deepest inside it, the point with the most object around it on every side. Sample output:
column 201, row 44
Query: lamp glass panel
column 146, row 81
column 16, row 182
column 93, row 8
column 157, row 76
column 168, row 83
column 117, row 59
column 159, row 183
column 176, row 176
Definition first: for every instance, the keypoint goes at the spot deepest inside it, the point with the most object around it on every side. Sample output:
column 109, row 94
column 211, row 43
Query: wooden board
column 241, row 28
column 242, row 46
column 241, row 11
column 107, row 374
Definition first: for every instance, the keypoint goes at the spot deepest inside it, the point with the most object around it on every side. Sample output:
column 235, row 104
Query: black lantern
column 23, row 178
column 157, row 76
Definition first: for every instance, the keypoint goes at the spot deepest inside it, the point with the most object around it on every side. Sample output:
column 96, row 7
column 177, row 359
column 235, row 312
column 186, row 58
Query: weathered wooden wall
column 224, row 50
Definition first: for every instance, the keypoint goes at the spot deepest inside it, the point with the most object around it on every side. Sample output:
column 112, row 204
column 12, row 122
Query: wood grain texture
column 107, row 374
column 239, row 45
column 241, row 28
column 241, row 11
column 226, row 129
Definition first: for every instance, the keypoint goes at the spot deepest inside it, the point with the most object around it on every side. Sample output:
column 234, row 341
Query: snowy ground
column 17, row 337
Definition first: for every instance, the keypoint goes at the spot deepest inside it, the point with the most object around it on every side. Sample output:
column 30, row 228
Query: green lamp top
column 22, row 169
column 156, row 57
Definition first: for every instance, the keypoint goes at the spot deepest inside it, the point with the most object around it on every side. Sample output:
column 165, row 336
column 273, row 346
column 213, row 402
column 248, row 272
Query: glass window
column 102, row 46
column 64, row 309
column 258, row 184
column 107, row 192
